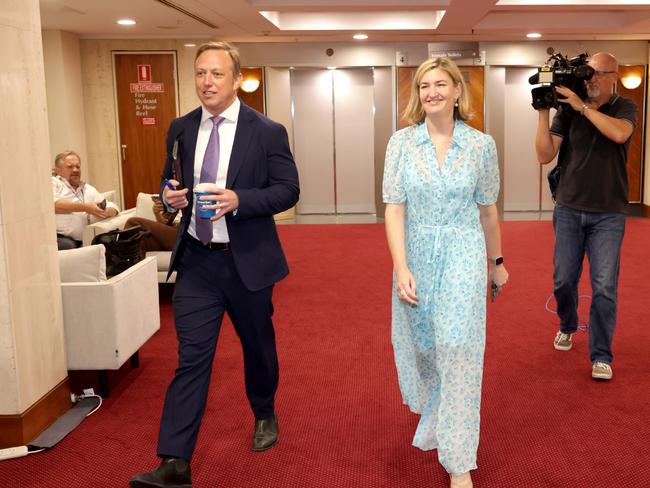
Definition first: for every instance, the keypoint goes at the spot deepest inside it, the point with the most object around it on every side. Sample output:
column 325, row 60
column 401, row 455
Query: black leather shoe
column 172, row 472
column 266, row 433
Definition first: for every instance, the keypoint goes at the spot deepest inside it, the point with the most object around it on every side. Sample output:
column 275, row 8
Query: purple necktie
column 209, row 175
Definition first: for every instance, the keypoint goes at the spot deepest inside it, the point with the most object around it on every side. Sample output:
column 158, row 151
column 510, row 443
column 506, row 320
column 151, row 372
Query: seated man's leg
column 64, row 242
column 162, row 236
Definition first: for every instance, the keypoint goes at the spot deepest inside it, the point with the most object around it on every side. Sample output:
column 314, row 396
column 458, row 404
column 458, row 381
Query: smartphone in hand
column 494, row 290
column 102, row 204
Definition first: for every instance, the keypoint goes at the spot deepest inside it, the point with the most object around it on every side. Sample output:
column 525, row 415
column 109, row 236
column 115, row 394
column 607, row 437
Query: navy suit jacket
column 263, row 174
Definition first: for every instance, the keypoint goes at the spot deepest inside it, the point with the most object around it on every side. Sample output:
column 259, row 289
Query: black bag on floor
column 123, row 248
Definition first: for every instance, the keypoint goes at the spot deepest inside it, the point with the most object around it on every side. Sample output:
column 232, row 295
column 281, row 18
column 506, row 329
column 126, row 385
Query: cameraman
column 590, row 203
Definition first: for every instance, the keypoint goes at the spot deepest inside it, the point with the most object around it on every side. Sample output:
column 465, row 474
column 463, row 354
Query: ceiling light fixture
column 250, row 85
column 631, row 81
column 126, row 22
column 189, row 44
column 360, row 37
column 533, row 35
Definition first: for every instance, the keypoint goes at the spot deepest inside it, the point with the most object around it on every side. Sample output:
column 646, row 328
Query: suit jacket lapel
column 190, row 134
column 243, row 134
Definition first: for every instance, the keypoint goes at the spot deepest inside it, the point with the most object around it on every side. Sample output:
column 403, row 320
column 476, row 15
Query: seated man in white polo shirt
column 76, row 203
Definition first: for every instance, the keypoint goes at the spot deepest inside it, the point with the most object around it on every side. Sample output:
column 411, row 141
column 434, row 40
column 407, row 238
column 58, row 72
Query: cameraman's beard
column 593, row 91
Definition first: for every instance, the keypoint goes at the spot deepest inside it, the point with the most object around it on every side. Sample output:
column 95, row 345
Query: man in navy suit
column 227, row 263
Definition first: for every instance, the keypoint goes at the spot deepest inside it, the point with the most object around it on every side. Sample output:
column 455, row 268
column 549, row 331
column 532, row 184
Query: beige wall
column 278, row 98
column 102, row 164
column 99, row 100
column 646, row 173
column 533, row 53
column 385, row 119
column 344, row 56
column 65, row 107
column 501, row 55
column 277, row 84
column 32, row 357
column 494, row 120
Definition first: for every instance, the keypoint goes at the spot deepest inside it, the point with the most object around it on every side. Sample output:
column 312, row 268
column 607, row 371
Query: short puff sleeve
column 487, row 184
column 393, row 184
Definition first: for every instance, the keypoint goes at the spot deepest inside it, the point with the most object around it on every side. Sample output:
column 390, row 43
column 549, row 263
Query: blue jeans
column 600, row 235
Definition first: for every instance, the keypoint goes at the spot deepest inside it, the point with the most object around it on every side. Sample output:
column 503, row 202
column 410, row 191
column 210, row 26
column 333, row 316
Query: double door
column 333, row 124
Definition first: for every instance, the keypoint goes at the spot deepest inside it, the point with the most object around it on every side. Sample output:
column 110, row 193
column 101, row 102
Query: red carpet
column 545, row 422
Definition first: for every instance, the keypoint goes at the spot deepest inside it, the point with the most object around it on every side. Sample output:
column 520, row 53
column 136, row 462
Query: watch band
column 584, row 108
column 497, row 261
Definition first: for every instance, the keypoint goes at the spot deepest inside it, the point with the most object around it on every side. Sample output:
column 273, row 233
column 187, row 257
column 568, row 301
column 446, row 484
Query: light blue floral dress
column 439, row 343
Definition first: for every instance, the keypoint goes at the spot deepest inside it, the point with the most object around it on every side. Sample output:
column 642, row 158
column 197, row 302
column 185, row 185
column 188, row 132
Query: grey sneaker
column 562, row 341
column 601, row 371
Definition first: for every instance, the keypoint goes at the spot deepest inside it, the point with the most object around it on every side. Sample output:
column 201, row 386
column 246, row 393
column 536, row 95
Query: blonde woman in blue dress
column 441, row 182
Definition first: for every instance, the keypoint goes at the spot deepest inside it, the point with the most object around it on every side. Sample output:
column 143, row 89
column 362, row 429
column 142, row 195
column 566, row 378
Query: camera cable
column 584, row 326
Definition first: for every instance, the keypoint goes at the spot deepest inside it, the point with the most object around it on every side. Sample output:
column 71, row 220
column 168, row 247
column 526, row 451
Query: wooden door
column 145, row 86
column 635, row 151
column 254, row 99
column 474, row 81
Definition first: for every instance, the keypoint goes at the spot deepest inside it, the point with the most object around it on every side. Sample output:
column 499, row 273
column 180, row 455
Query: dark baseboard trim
column 646, row 210
column 19, row 430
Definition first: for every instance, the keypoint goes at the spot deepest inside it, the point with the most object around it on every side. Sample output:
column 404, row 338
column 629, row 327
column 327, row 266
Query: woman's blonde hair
column 414, row 113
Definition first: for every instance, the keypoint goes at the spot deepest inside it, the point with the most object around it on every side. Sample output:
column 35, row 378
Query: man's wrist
column 584, row 108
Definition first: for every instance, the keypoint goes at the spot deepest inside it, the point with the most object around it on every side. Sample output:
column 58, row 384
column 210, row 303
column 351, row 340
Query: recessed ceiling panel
column 325, row 21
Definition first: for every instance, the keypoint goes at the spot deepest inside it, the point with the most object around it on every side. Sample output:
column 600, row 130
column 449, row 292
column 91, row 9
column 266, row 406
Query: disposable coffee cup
column 200, row 190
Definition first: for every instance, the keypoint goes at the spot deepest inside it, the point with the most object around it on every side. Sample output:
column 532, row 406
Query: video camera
column 562, row 71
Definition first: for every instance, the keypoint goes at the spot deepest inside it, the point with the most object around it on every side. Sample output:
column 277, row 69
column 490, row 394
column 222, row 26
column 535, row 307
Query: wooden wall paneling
column 635, row 151
column 404, row 80
column 255, row 99
column 475, row 82
column 18, row 430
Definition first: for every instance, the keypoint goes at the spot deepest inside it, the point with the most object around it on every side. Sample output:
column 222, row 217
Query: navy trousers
column 600, row 236
column 207, row 286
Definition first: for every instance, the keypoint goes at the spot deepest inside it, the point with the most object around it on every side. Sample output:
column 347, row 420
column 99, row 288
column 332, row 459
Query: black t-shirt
column 593, row 175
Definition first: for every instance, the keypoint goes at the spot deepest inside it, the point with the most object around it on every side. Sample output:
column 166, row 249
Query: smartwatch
column 497, row 261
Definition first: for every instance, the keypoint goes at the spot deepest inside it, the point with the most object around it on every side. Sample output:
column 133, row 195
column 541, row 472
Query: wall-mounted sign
column 145, row 95
column 144, row 73
column 147, row 87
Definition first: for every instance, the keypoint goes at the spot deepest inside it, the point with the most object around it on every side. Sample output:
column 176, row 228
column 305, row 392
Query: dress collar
column 458, row 138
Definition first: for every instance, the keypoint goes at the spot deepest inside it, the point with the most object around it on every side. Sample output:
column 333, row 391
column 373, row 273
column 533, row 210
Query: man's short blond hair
column 232, row 51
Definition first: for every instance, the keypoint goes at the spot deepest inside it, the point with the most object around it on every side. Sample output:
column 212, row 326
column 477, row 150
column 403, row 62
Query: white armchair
column 106, row 321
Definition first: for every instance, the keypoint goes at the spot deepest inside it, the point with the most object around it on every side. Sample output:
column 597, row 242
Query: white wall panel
column 524, row 185
column 313, row 139
column 354, row 141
